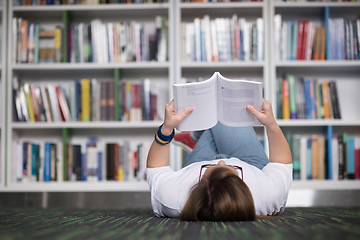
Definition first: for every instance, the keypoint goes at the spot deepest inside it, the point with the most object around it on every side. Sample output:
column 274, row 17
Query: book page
column 201, row 96
column 233, row 97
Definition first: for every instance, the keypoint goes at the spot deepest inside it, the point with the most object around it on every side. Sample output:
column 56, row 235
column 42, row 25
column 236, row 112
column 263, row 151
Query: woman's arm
column 279, row 150
column 158, row 155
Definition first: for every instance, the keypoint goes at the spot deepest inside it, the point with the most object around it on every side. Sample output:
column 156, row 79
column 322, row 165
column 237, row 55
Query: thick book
column 217, row 99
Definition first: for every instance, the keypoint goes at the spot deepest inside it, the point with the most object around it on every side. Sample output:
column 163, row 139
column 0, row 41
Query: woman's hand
column 279, row 150
column 265, row 116
column 172, row 119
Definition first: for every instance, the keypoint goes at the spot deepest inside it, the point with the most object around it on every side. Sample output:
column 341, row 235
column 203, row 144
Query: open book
column 217, row 99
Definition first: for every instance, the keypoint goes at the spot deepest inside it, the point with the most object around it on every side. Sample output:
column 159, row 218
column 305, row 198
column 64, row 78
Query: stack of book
column 223, row 39
column 307, row 98
column 90, row 42
column 88, row 100
column 84, row 161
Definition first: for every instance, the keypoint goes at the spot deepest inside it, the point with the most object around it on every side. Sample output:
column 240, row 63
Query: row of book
column 307, row 98
column 91, row 161
column 318, row 0
column 223, row 39
column 90, row 42
column 299, row 40
column 91, row 2
column 343, row 39
column 214, row 1
column 334, row 157
column 304, row 40
column 88, row 100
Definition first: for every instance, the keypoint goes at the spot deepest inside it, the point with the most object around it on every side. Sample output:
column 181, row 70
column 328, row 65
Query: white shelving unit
column 346, row 73
column 106, row 131
column 186, row 12
column 174, row 71
column 255, row 70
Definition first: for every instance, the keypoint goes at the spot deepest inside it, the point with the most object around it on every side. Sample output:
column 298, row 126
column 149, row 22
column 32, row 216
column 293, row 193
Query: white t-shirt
column 170, row 189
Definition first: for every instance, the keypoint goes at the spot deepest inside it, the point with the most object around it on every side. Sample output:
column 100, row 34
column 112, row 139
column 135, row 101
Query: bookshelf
column 132, row 70
column 345, row 72
column 178, row 68
column 190, row 69
column 2, row 91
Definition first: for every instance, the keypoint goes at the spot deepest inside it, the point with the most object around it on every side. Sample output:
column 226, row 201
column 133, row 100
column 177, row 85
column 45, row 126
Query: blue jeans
column 224, row 142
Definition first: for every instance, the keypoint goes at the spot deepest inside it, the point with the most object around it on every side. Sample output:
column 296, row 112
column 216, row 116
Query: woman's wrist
column 165, row 130
column 163, row 136
column 273, row 126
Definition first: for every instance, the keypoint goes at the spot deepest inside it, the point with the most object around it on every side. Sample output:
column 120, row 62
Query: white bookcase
column 2, row 91
column 194, row 70
column 345, row 72
column 106, row 131
column 175, row 70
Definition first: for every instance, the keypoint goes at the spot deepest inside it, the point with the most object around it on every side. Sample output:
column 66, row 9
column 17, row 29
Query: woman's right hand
column 172, row 118
column 265, row 116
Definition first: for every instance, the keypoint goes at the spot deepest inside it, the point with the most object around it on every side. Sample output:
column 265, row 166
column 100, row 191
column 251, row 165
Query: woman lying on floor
column 227, row 177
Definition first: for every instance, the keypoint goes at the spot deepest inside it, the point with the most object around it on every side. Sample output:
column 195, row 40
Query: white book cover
column 303, row 152
column 217, row 99
column 277, row 36
column 54, row 103
column 214, row 43
column 260, row 39
column 233, row 23
column 24, row 104
column 246, row 28
column 310, row 40
column 18, row 164
column 197, row 33
column 207, row 37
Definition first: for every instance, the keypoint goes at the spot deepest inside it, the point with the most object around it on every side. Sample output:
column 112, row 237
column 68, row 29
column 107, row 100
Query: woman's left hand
column 172, row 118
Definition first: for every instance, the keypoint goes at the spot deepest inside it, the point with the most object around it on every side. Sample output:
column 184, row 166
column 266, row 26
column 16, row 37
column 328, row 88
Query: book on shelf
column 329, row 156
column 89, row 100
column 223, row 39
column 217, row 99
column 215, row 1
column 96, row 42
column 343, row 38
column 317, row 1
column 304, row 39
column 93, row 160
column 308, row 98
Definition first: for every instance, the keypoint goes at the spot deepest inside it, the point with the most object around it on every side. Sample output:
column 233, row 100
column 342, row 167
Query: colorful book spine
column 350, row 157
column 286, row 105
column 292, row 96
column 308, row 160
column 310, row 107
column 329, row 174
column 85, row 100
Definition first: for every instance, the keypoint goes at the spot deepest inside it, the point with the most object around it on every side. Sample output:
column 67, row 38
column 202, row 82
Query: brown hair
column 222, row 196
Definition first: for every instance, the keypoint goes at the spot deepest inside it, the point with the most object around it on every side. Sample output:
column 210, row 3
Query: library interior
column 83, row 89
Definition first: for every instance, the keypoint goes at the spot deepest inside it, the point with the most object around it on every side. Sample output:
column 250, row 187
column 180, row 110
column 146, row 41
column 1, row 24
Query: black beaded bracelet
column 163, row 139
